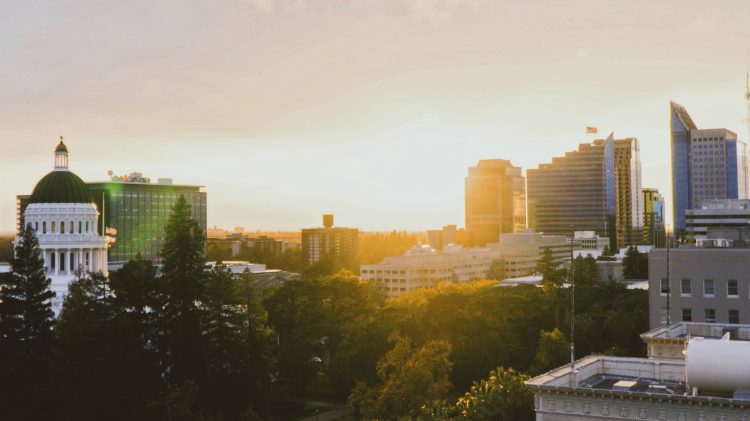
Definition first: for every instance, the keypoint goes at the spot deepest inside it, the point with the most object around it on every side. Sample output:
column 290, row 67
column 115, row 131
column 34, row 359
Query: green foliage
column 319, row 323
column 552, row 275
column 501, row 396
column 409, row 377
column 26, row 336
column 635, row 264
column 585, row 272
column 178, row 319
column 552, row 352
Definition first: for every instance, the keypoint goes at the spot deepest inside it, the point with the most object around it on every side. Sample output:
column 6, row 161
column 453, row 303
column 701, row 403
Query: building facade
column 495, row 199
column 706, row 285
column 628, row 192
column 335, row 246
column 424, row 267
column 135, row 212
column 728, row 219
column 575, row 192
column 654, row 232
column 707, row 164
column 64, row 216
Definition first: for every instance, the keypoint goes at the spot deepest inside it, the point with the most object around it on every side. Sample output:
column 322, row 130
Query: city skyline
column 395, row 111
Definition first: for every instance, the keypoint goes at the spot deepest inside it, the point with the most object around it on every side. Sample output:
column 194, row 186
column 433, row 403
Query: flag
column 111, row 231
column 591, row 130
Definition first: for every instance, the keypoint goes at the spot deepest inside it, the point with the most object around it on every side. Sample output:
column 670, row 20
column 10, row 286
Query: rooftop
column 680, row 331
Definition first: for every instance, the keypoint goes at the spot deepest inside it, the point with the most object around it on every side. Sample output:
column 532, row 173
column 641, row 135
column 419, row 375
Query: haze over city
column 372, row 110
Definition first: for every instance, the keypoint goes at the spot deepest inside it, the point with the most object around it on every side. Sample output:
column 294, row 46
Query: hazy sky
column 371, row 110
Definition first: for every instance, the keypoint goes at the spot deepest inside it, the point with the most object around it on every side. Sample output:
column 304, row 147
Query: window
column 87, row 226
column 664, row 286
column 62, row 262
column 663, row 315
column 80, row 227
column 44, row 227
column 52, row 228
column 687, row 315
column 685, row 288
column 70, row 227
column 732, row 289
column 708, row 288
column 734, row 316
column 709, row 315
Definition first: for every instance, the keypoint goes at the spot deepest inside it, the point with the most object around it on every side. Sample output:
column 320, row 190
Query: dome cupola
column 61, row 185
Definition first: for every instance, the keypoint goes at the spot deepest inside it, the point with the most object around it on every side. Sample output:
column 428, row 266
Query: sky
column 371, row 110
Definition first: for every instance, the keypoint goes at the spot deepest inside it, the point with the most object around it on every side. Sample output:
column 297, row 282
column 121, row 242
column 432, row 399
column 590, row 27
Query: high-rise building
column 595, row 188
column 726, row 219
column 495, row 200
column 628, row 192
column 707, row 164
column 575, row 192
column 336, row 246
column 135, row 211
column 653, row 218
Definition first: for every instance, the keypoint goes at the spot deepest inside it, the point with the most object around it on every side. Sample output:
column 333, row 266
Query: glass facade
column 135, row 214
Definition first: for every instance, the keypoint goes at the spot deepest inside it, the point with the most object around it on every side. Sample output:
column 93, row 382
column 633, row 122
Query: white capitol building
column 64, row 215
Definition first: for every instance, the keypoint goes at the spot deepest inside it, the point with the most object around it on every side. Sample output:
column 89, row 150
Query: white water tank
column 718, row 365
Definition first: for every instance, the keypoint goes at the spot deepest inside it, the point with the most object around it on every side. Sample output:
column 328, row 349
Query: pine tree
column 26, row 322
column 178, row 319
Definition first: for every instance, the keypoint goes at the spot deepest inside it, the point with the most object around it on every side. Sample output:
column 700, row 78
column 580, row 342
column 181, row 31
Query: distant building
column 727, row 218
column 706, row 164
column 135, row 211
column 707, row 285
column 495, row 200
column 262, row 277
column 337, row 246
column 654, row 232
column 575, row 192
column 589, row 240
column 448, row 235
column 424, row 267
column 519, row 253
column 628, row 192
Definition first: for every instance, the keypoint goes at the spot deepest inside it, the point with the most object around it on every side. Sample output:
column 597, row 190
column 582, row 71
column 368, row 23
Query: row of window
column 709, row 315
column 709, row 288
column 54, row 227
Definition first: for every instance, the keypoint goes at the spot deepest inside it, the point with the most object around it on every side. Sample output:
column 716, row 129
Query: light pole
column 572, row 310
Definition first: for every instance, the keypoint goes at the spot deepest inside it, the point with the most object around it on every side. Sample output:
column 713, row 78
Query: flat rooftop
column 683, row 330
column 633, row 384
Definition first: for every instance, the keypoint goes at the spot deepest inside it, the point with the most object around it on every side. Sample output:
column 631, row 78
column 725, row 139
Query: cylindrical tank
column 718, row 365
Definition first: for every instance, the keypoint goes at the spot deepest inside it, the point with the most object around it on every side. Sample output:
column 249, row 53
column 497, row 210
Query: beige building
column 628, row 192
column 495, row 199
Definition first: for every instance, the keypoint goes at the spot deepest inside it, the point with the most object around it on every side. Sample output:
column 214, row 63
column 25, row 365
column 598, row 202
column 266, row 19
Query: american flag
column 591, row 130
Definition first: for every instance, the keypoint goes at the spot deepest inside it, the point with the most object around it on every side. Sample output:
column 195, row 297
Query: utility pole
column 572, row 312
column 669, row 292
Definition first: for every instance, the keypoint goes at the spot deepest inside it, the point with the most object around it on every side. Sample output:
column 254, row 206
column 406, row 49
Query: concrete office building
column 522, row 251
column 495, row 199
column 727, row 218
column 707, row 164
column 589, row 240
column 424, row 267
column 597, row 187
column 135, row 211
column 654, row 232
column 710, row 285
column 336, row 246
column 450, row 234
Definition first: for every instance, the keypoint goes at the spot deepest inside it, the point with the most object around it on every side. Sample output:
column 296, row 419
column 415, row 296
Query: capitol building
column 62, row 212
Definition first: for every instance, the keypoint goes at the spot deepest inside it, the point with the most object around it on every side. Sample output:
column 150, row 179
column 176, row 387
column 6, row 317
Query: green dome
column 61, row 187
column 61, row 146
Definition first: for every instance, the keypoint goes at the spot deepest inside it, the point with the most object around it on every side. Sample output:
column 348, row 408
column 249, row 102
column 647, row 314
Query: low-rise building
column 725, row 218
column 670, row 341
column 262, row 276
column 589, row 240
column 423, row 266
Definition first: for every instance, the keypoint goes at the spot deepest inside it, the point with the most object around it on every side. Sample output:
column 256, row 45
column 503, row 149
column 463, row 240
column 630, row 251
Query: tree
column 409, row 378
column 552, row 351
column 178, row 320
column 635, row 264
column 26, row 336
column 501, row 396
column 552, row 276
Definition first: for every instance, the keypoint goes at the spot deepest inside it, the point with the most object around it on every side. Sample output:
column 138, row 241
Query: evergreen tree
column 178, row 319
column 635, row 264
column 26, row 336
